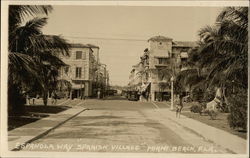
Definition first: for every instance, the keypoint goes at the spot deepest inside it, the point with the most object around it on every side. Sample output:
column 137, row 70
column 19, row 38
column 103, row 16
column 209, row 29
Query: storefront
column 77, row 91
column 163, row 96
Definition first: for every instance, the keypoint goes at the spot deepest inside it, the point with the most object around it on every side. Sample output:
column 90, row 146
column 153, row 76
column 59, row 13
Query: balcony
column 162, row 62
column 161, row 65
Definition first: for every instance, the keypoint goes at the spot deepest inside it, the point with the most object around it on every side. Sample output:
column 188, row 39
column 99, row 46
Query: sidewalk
column 30, row 132
column 227, row 140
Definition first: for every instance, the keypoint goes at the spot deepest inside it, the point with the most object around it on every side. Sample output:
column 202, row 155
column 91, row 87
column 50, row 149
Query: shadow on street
column 33, row 113
column 115, row 97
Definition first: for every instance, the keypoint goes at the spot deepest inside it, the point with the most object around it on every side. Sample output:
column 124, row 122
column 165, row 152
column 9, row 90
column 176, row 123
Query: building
column 103, row 79
column 135, row 77
column 158, row 64
column 82, row 70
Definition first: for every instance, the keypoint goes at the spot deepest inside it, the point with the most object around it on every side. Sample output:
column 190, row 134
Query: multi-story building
column 103, row 78
column 135, row 77
column 82, row 70
column 79, row 71
column 159, row 63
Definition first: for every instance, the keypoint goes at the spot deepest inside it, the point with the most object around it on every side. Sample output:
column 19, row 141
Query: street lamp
column 172, row 93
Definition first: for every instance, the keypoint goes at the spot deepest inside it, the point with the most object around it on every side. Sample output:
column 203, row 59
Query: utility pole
column 172, row 93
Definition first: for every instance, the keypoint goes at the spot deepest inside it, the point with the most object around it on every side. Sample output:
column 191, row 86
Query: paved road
column 118, row 125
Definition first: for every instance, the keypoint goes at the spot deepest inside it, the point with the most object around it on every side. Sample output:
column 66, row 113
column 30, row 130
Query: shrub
column 213, row 114
column 197, row 95
column 238, row 110
column 223, row 107
column 196, row 108
column 208, row 95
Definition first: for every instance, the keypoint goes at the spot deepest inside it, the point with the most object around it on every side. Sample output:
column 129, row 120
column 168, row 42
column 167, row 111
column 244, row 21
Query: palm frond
column 233, row 30
column 234, row 13
column 18, row 13
column 50, row 59
column 22, row 38
column 208, row 33
column 22, row 68
column 51, row 43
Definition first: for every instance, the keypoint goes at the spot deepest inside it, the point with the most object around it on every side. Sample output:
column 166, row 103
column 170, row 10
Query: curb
column 47, row 131
column 229, row 149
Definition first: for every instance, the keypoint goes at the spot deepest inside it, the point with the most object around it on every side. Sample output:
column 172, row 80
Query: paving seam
column 46, row 132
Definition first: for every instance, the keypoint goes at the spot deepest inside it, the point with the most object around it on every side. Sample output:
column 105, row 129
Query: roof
column 79, row 45
column 159, row 38
column 92, row 46
column 184, row 44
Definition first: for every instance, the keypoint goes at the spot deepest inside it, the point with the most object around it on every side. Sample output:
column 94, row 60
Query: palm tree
column 222, row 54
column 29, row 48
column 227, row 46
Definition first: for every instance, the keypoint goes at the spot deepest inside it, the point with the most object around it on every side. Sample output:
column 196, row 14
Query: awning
column 77, row 86
column 184, row 55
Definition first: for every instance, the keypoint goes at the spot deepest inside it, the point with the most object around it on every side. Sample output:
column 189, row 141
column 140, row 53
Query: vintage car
column 133, row 95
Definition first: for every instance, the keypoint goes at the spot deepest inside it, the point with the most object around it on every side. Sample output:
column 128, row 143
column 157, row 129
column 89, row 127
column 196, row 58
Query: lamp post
column 172, row 93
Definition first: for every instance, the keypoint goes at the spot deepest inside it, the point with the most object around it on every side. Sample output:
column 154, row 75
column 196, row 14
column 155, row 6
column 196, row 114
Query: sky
column 122, row 32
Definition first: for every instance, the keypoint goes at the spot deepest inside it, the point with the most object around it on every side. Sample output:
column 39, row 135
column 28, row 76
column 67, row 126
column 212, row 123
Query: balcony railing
column 161, row 65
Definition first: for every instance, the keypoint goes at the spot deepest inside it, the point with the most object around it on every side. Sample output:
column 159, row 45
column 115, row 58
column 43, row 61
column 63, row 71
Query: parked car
column 133, row 95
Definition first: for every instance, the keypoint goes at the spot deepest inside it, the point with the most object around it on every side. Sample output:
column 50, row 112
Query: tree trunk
column 16, row 101
column 180, row 99
column 45, row 97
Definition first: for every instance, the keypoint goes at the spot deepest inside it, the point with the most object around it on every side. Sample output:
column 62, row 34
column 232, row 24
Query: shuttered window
column 78, row 72
column 78, row 54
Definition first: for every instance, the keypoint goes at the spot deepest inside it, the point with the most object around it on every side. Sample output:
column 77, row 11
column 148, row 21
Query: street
column 118, row 125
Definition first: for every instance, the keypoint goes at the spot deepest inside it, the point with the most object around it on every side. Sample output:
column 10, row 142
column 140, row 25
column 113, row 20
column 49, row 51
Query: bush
column 238, row 110
column 196, row 108
column 208, row 95
column 197, row 95
column 213, row 114
column 223, row 107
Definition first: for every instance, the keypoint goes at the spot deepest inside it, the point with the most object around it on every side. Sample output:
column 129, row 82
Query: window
column 78, row 72
column 66, row 70
column 78, row 54
column 163, row 61
column 160, row 45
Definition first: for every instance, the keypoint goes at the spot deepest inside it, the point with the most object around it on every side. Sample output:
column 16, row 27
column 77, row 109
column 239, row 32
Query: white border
column 137, row 3
column 4, row 61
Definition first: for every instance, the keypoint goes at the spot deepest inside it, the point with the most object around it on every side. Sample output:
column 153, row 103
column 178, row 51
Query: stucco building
column 82, row 70
column 158, row 63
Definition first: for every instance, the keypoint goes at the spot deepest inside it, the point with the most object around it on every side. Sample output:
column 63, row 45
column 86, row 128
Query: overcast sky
column 122, row 32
